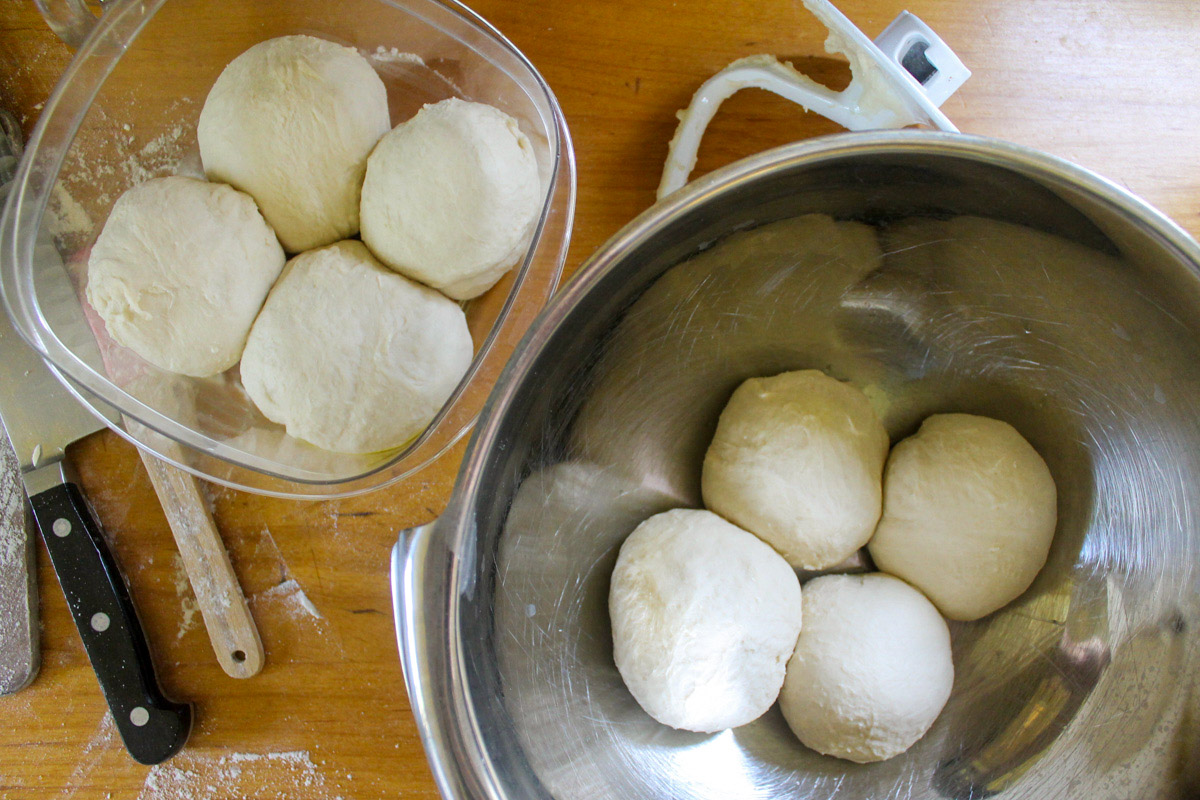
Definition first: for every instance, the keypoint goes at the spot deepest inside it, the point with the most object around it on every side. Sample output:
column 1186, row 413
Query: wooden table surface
column 1110, row 84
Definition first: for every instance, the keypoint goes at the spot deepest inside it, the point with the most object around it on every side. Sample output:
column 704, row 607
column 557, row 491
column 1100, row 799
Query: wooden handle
column 230, row 627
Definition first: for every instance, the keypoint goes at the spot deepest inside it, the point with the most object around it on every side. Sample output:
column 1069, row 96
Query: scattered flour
column 287, row 592
column 294, row 598
column 188, row 606
column 391, row 55
column 392, row 63
column 162, row 155
column 99, row 168
column 26, row 65
column 197, row 775
column 266, row 542
column 106, row 734
column 66, row 216
column 211, row 492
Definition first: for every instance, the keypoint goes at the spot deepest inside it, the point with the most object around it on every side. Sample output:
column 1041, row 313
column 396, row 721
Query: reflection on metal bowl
column 939, row 272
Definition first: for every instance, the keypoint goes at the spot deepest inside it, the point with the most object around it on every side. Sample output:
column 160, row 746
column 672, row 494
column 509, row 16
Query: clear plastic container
column 126, row 110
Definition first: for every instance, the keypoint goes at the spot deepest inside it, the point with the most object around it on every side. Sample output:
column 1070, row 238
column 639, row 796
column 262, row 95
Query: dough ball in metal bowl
column 704, row 617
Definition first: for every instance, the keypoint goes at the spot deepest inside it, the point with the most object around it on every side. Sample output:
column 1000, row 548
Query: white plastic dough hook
column 900, row 79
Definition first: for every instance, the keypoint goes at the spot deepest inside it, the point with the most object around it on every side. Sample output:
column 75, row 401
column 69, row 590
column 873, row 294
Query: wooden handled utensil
column 231, row 629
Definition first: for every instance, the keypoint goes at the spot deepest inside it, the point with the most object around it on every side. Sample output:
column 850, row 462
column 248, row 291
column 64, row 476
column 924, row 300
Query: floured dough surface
column 704, row 617
column 797, row 460
column 451, row 197
column 179, row 272
column 969, row 514
column 872, row 667
column 291, row 121
column 350, row 356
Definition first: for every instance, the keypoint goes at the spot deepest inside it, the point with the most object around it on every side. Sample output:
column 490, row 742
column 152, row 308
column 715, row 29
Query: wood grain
column 231, row 628
column 1109, row 84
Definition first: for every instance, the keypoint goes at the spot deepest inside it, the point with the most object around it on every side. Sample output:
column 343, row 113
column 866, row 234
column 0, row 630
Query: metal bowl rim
column 456, row 525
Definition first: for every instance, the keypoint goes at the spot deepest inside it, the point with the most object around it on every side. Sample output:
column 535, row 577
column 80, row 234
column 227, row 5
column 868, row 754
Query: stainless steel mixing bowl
column 1071, row 310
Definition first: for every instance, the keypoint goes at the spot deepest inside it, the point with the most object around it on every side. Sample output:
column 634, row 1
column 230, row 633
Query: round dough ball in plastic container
column 969, row 513
column 872, row 667
column 291, row 121
column 350, row 356
column 704, row 617
column 451, row 197
column 179, row 272
column 797, row 459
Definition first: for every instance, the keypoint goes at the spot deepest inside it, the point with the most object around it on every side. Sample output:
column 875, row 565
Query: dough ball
column 451, row 197
column 797, row 460
column 180, row 271
column 872, row 668
column 291, row 121
column 969, row 511
column 704, row 618
column 350, row 356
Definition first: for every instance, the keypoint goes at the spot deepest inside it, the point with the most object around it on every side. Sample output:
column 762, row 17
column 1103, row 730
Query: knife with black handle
column 153, row 727
column 42, row 418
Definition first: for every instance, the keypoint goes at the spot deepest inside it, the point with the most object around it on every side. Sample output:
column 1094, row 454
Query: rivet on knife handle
column 152, row 727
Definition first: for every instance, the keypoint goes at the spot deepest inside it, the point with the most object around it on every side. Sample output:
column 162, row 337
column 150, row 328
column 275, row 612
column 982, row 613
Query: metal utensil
column 20, row 654
column 1073, row 312
column 43, row 419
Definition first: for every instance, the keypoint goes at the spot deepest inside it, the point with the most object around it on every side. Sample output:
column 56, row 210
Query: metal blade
column 38, row 412
column 20, row 651
column 19, row 646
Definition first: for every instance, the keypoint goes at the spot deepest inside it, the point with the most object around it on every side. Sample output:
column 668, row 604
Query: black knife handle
column 152, row 727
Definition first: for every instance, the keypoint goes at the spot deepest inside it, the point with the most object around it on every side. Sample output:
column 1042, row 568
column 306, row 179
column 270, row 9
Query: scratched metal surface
column 948, row 284
column 20, row 653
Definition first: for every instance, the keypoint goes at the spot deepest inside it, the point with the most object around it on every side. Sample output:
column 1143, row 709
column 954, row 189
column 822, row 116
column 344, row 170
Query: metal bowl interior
column 126, row 110
column 1003, row 283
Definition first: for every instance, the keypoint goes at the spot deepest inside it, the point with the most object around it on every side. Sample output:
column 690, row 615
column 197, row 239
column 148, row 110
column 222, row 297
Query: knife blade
column 42, row 418
column 20, row 654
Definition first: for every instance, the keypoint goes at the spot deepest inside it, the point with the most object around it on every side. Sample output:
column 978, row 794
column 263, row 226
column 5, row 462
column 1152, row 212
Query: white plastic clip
column 913, row 45
column 883, row 93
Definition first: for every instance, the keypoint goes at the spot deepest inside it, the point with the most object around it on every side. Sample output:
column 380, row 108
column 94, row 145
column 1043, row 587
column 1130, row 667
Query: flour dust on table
column 203, row 775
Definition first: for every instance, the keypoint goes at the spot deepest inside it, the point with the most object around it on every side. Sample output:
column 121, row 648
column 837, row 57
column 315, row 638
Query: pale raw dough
column 291, row 121
column 704, row 618
column 872, row 668
column 180, row 271
column 350, row 356
column 969, row 512
column 797, row 460
column 451, row 197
